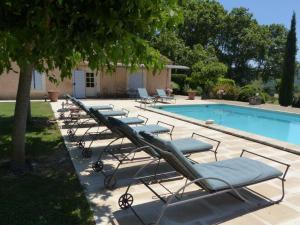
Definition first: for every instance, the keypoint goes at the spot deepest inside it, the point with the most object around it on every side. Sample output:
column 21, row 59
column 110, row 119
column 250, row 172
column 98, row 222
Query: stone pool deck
column 211, row 211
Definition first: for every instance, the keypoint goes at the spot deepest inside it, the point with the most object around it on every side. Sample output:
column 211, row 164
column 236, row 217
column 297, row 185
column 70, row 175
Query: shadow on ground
column 214, row 210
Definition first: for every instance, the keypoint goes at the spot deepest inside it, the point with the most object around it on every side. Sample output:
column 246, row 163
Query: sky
column 270, row 11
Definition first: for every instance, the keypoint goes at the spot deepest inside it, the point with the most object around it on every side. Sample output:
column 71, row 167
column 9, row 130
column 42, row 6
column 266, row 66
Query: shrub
column 206, row 74
column 175, row 87
column 199, row 90
column 247, row 92
column 296, row 100
column 225, row 81
column 226, row 91
column 179, row 79
column 265, row 97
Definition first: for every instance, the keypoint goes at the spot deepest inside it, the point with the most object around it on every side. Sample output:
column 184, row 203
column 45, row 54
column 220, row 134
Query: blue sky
column 270, row 11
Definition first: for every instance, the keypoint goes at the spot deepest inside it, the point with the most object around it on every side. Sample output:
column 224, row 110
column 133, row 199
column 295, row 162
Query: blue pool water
column 278, row 125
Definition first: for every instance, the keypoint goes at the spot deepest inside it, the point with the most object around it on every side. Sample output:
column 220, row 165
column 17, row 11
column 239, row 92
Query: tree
column 242, row 44
column 206, row 69
column 272, row 60
column 289, row 66
column 172, row 46
column 44, row 35
column 203, row 22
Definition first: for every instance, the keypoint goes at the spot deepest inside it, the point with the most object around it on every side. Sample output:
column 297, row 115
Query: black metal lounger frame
column 98, row 166
column 78, row 123
column 65, row 106
column 81, row 141
column 86, row 151
column 73, row 115
column 126, row 200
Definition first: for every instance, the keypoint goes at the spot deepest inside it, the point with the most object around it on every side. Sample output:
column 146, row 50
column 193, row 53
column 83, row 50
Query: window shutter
column 37, row 81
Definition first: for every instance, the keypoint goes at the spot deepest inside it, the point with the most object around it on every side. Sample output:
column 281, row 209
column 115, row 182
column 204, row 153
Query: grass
column 51, row 194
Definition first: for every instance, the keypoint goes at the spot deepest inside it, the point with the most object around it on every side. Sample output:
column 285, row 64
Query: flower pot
column 255, row 100
column 192, row 94
column 53, row 96
column 169, row 91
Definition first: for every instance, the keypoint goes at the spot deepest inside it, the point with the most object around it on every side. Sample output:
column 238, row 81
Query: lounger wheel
column 61, row 116
column 110, row 182
column 81, row 144
column 70, row 132
column 86, row 153
column 125, row 201
column 98, row 166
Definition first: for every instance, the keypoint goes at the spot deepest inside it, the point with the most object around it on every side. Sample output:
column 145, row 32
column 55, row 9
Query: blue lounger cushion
column 151, row 128
column 191, row 145
column 162, row 94
column 132, row 120
column 144, row 94
column 184, row 145
column 238, row 172
column 113, row 113
column 99, row 107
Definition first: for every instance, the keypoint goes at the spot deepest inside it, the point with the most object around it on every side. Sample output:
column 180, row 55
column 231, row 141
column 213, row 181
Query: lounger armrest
column 134, row 150
column 111, row 105
column 170, row 125
column 200, row 135
column 146, row 119
column 268, row 158
column 127, row 111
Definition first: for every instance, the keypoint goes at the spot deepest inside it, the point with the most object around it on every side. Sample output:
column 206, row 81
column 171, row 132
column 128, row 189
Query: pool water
column 278, row 125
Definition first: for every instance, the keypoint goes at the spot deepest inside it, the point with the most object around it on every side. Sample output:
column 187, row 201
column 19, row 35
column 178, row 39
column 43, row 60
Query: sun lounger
column 163, row 96
column 186, row 145
column 77, row 123
column 118, row 126
column 226, row 176
column 75, row 108
column 144, row 96
column 91, row 112
column 102, row 119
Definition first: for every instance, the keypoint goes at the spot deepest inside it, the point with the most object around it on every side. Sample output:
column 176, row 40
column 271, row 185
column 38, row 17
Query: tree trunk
column 20, row 119
column 29, row 117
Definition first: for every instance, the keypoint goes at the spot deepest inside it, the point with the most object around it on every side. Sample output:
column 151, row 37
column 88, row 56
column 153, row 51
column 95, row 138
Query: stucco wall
column 9, row 85
column 115, row 83
column 159, row 80
column 108, row 84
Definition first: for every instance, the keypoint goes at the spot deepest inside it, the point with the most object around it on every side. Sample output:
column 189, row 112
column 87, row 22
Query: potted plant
column 199, row 91
column 53, row 95
column 255, row 100
column 191, row 93
column 169, row 91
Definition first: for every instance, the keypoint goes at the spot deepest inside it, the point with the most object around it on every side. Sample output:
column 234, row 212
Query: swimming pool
column 279, row 125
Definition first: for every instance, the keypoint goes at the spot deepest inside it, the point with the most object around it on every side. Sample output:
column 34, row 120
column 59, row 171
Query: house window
column 90, row 80
column 37, row 81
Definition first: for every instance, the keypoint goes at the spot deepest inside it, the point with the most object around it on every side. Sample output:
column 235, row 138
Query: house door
column 135, row 81
column 90, row 83
column 79, row 84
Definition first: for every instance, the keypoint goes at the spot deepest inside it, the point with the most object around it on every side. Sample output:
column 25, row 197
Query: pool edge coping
column 223, row 129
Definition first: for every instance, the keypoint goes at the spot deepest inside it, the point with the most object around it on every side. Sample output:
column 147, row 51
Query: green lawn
column 51, row 194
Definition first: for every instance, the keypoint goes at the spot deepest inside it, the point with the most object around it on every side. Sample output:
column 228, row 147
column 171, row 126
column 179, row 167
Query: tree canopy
column 44, row 35
column 57, row 34
column 249, row 50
